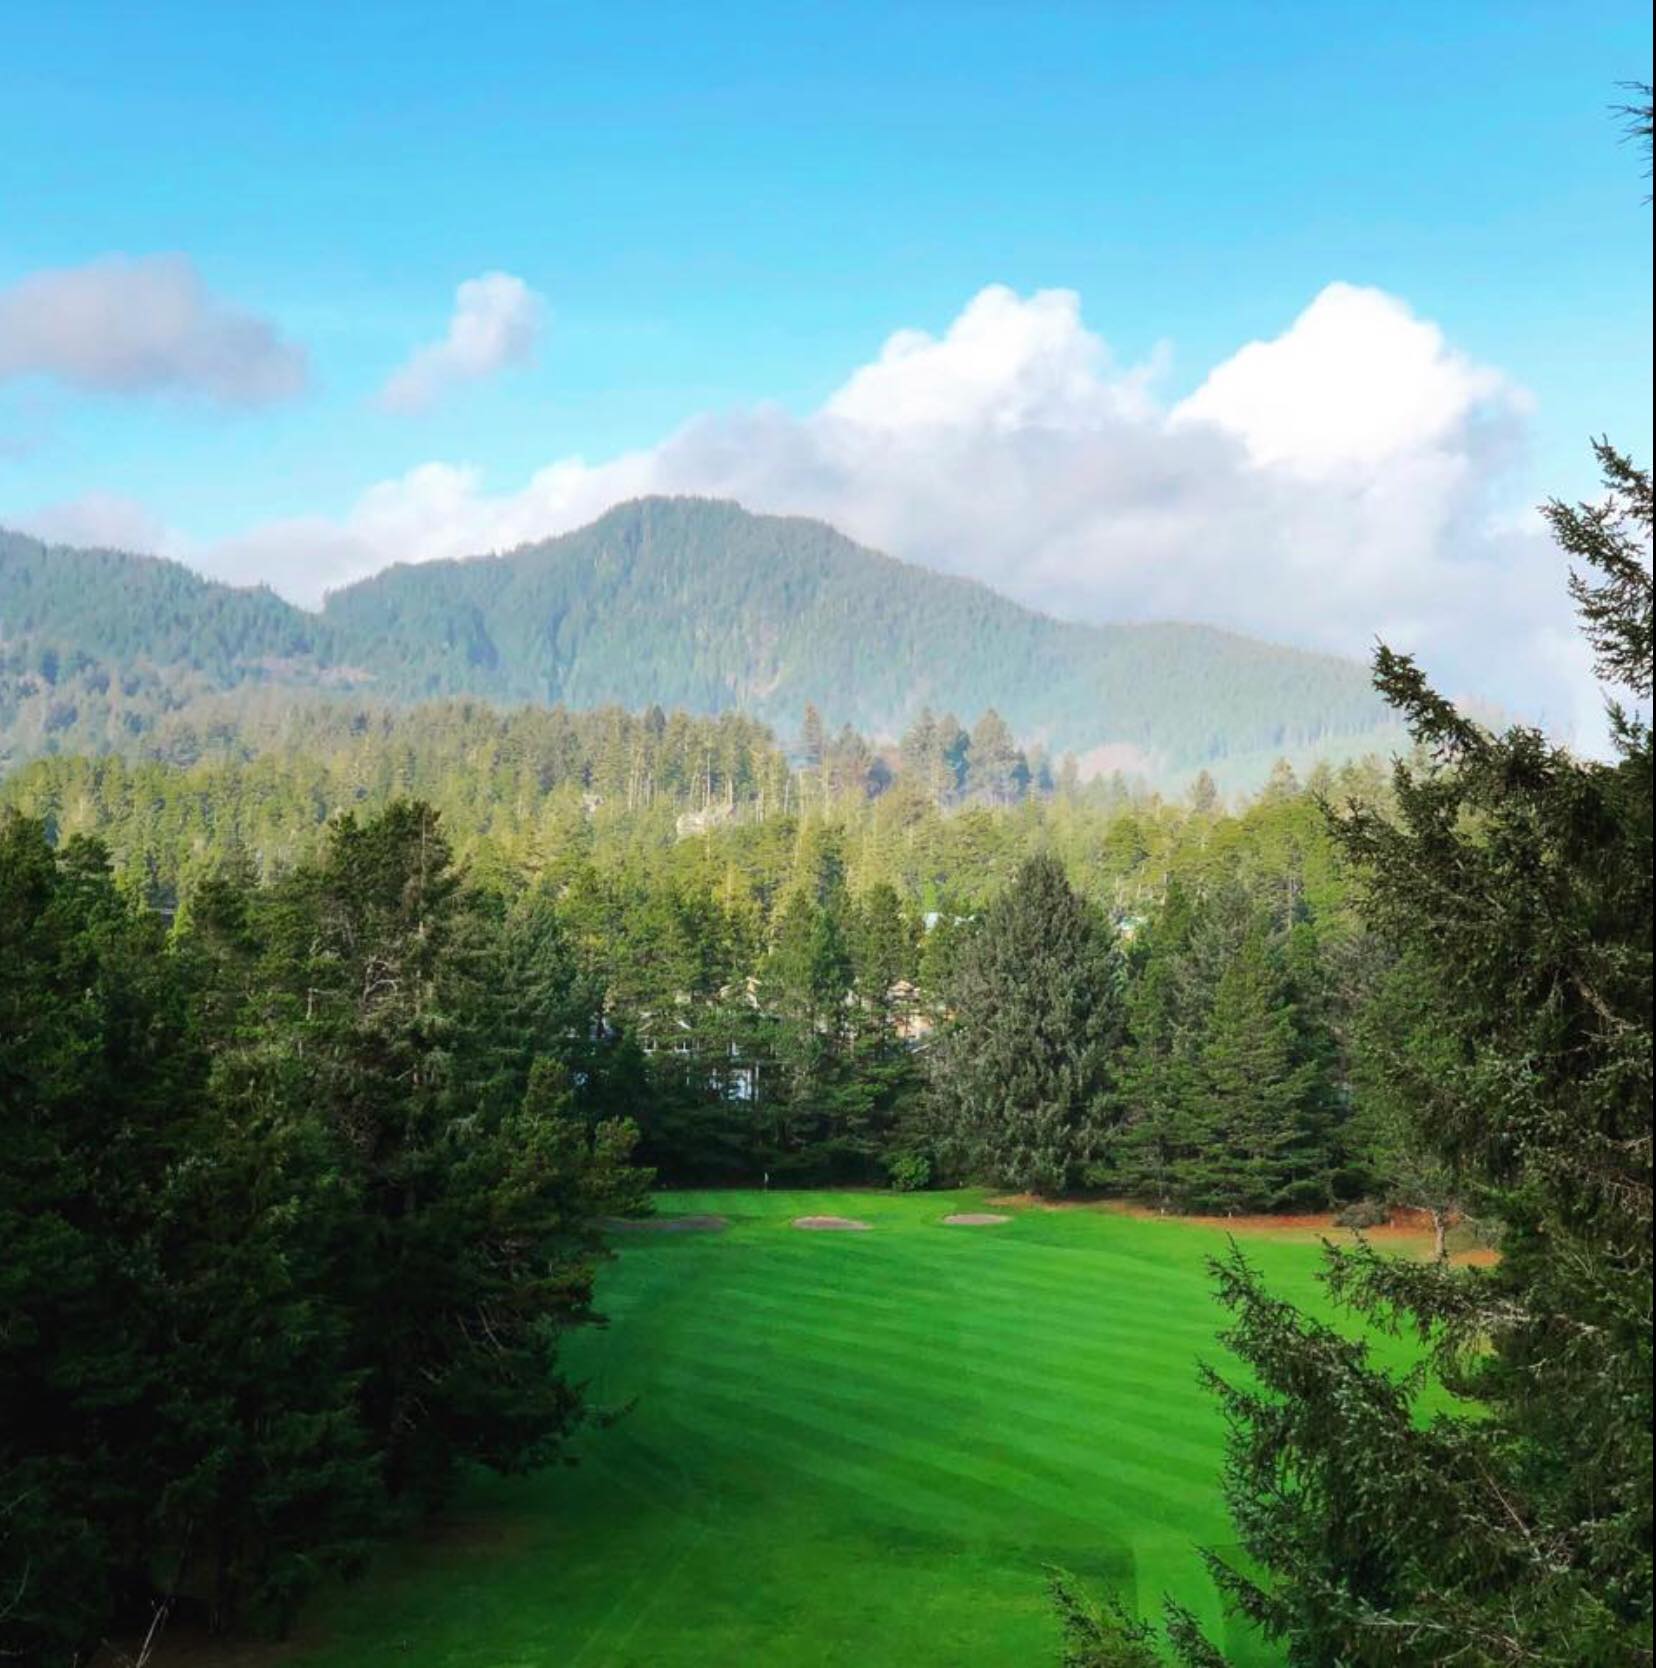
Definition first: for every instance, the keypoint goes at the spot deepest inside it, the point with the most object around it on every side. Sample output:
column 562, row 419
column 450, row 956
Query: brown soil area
column 973, row 1219
column 830, row 1224
column 1408, row 1230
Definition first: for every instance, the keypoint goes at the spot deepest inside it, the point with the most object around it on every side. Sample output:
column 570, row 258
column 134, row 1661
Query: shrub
column 909, row 1172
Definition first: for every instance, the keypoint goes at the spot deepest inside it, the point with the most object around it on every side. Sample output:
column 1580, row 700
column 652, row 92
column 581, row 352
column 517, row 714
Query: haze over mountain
column 681, row 602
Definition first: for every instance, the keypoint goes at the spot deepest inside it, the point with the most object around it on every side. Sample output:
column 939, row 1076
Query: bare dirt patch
column 831, row 1224
column 974, row 1219
column 665, row 1224
column 1408, row 1231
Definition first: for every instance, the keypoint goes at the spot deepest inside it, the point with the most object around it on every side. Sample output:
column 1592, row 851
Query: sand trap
column 973, row 1219
column 663, row 1224
column 831, row 1224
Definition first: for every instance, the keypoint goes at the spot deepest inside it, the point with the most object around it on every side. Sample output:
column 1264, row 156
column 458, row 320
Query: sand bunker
column 973, row 1219
column 831, row 1224
column 663, row 1224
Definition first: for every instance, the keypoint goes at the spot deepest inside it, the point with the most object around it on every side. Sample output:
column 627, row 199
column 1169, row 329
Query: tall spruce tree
column 995, row 770
column 1253, row 1113
column 1023, row 1071
column 1516, row 1527
column 1227, row 1092
column 477, row 1179
column 101, row 1094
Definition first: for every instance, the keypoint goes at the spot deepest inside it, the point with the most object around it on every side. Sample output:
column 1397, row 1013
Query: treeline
column 312, row 1118
column 1200, row 1049
column 297, row 1197
column 274, row 769
column 515, row 788
column 778, row 962
column 1205, row 1063
column 269, row 759
column 493, row 769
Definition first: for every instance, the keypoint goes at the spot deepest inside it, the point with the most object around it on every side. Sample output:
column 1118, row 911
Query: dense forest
column 687, row 603
column 778, row 943
column 330, row 1056
column 330, row 1059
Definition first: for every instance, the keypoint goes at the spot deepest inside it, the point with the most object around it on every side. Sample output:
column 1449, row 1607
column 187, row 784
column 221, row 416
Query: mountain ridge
column 687, row 602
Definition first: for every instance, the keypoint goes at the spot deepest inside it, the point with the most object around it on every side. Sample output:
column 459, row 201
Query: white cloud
column 495, row 324
column 1004, row 364
column 143, row 325
column 1347, row 480
column 1356, row 381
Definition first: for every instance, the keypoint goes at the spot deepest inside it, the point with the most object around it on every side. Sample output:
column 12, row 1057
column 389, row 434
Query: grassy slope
column 847, row 1448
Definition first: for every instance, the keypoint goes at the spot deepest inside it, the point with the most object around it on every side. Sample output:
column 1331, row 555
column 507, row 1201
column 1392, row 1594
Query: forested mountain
column 682, row 602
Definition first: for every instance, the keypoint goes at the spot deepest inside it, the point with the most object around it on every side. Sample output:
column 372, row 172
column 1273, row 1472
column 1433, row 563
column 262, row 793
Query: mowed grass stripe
column 979, row 1379
column 1016, row 1462
column 986, row 1358
column 1072, row 1443
column 896, row 1480
column 847, row 1450
column 1087, row 1334
column 900, row 1276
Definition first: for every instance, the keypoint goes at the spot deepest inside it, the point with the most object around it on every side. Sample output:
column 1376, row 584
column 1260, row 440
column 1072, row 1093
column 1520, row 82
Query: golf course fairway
column 847, row 1448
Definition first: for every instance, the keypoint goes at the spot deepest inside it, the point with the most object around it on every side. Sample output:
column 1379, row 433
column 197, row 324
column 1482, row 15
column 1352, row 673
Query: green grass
column 846, row 1449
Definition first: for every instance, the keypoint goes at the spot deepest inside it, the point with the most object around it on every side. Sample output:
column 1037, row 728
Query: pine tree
column 923, row 756
column 813, row 737
column 293, row 1491
column 100, row 1092
column 387, row 965
column 1226, row 1100
column 1204, row 795
column 1167, row 1004
column 1023, row 1072
column 1516, row 1529
column 1250, row 1137
column 805, row 992
column 996, row 771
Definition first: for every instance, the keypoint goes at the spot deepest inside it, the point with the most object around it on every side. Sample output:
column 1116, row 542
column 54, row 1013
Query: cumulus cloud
column 1356, row 382
column 495, row 324
column 138, row 326
column 1348, row 479
column 1005, row 364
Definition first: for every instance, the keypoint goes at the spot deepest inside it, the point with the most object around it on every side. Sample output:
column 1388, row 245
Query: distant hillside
column 677, row 602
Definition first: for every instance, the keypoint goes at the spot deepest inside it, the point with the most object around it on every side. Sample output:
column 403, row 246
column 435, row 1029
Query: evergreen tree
column 996, row 771
column 1402, row 1055
column 804, row 992
column 1023, row 1072
column 1168, row 999
column 1251, row 1135
column 100, row 1091
column 813, row 738
column 1516, row 877
column 954, row 744
column 470, row 1255
column 924, row 754
column 293, row 1490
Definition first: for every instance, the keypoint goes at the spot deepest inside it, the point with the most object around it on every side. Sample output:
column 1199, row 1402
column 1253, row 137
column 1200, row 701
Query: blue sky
column 723, row 206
